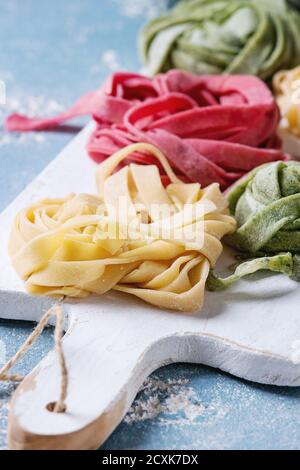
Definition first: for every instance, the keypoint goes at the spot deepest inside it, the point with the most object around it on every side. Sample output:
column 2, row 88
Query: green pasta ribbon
column 256, row 37
column 266, row 205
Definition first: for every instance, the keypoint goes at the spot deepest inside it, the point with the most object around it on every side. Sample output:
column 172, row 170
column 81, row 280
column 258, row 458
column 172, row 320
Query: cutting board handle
column 106, row 365
column 110, row 347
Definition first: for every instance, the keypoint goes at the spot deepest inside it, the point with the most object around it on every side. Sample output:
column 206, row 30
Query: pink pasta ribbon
column 211, row 128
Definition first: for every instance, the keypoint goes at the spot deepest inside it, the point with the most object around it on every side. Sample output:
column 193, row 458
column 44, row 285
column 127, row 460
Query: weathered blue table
column 51, row 52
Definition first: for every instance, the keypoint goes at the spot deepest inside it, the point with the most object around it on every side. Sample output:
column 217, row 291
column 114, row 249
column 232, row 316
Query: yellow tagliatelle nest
column 136, row 236
column 286, row 86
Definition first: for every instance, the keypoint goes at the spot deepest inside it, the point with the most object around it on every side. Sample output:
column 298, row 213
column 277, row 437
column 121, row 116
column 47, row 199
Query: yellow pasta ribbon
column 286, row 86
column 136, row 236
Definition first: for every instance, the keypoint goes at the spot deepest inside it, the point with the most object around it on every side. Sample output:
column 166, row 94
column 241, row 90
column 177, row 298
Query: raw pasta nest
column 212, row 129
column 159, row 248
column 286, row 86
column 256, row 37
column 266, row 206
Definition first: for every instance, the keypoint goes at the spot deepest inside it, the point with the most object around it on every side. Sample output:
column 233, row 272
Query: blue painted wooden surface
column 51, row 52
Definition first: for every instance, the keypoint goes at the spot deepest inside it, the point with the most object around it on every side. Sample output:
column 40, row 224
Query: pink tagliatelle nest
column 211, row 128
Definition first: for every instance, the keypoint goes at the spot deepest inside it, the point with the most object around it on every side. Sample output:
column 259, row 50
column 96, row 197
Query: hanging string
column 59, row 406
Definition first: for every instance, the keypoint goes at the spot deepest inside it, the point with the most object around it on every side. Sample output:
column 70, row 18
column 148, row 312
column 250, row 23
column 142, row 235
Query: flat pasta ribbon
column 135, row 236
column 266, row 205
column 255, row 37
column 286, row 86
column 212, row 128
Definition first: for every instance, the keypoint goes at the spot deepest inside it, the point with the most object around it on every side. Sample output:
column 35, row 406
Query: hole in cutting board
column 50, row 407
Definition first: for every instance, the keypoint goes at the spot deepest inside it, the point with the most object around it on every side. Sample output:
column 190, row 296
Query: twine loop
column 60, row 405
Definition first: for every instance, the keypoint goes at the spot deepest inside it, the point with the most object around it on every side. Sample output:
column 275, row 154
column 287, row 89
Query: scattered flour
column 84, row 33
column 7, row 389
column 110, row 60
column 147, row 8
column 171, row 402
column 30, row 106
column 2, row 352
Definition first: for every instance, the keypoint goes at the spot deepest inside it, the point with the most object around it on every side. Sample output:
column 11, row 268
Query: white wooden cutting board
column 114, row 342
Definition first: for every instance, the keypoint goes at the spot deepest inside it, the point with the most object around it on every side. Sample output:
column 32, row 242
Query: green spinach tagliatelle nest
column 257, row 37
column 266, row 205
